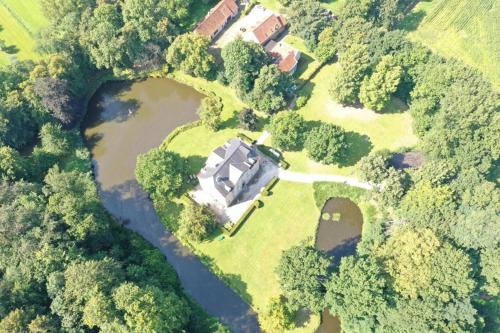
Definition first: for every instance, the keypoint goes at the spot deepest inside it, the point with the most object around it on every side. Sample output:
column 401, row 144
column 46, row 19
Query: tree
column 347, row 81
column 55, row 96
column 210, row 112
column 242, row 63
column 247, row 119
column 356, row 9
column 490, row 270
column 376, row 90
column 189, row 53
column 14, row 322
column 287, row 130
column 72, row 196
column 307, row 19
column 18, row 119
column 300, row 271
column 393, row 188
column 101, row 35
column 326, row 143
column 270, row 89
column 55, row 140
column 422, row 266
column 162, row 173
column 196, row 222
column 429, row 206
column 12, row 164
column 356, row 293
column 42, row 324
column 277, row 316
column 326, row 48
column 374, row 167
column 151, row 310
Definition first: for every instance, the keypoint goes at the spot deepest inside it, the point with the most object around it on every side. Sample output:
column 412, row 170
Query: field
column 20, row 21
column 464, row 29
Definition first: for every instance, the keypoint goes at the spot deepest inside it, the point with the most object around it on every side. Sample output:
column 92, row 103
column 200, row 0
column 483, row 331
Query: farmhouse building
column 270, row 28
column 228, row 170
column 286, row 57
column 217, row 18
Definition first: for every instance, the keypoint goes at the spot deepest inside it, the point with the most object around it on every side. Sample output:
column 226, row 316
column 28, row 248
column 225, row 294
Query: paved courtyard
column 268, row 170
column 244, row 26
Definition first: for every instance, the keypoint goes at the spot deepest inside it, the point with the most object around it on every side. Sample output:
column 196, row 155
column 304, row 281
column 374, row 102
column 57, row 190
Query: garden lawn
column 249, row 258
column 20, row 21
column 366, row 130
column 463, row 29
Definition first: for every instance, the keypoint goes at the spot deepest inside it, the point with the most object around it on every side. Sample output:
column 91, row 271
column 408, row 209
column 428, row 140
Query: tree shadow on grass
column 231, row 122
column 10, row 49
column 232, row 280
column 195, row 163
column 412, row 20
column 359, row 145
column 395, row 105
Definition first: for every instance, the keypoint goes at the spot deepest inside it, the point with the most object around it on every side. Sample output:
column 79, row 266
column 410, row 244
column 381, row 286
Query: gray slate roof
column 238, row 158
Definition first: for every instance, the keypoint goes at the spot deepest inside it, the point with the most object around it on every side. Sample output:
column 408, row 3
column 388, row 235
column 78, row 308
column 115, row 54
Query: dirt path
column 309, row 178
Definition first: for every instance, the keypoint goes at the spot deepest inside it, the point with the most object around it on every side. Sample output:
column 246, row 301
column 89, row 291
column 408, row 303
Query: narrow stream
column 128, row 118
column 339, row 232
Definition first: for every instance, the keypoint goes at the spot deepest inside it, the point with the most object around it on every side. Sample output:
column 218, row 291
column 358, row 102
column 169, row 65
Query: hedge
column 267, row 190
column 230, row 232
column 177, row 131
column 267, row 151
column 245, row 138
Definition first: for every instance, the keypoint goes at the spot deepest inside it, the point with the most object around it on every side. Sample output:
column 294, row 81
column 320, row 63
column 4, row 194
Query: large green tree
column 326, row 143
column 189, row 53
column 162, row 173
column 287, row 130
column 376, row 90
column 270, row 89
column 196, row 222
column 300, row 272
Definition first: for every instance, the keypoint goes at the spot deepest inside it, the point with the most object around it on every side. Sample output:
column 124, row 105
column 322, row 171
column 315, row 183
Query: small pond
column 339, row 231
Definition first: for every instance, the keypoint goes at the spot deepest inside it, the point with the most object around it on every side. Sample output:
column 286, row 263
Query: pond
column 339, row 231
column 125, row 119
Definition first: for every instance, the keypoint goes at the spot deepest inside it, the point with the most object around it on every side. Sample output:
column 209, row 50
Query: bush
column 287, row 130
column 247, row 119
column 277, row 317
column 196, row 222
column 210, row 112
column 301, row 101
column 326, row 143
column 161, row 173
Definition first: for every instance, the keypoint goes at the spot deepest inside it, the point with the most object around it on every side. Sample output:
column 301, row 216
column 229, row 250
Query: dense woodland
column 430, row 265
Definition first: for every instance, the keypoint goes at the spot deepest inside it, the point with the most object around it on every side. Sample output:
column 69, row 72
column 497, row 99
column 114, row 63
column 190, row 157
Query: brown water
column 339, row 232
column 128, row 118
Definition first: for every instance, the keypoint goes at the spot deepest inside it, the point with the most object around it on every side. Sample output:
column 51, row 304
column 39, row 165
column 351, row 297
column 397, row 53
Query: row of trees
column 325, row 143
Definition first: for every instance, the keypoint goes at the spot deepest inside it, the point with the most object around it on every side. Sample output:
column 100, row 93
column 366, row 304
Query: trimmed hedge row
column 267, row 190
column 267, row 151
column 245, row 138
column 234, row 227
column 177, row 131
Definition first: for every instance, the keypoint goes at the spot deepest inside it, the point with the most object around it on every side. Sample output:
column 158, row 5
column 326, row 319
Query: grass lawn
column 463, row 29
column 20, row 21
column 366, row 129
column 248, row 259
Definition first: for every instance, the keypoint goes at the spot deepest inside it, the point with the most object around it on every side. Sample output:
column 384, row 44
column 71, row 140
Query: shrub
column 247, row 119
column 301, row 101
column 277, row 317
column 326, row 143
column 161, row 172
column 210, row 112
column 288, row 129
column 196, row 222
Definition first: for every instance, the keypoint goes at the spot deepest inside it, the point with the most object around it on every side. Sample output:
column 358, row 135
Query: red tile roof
column 288, row 63
column 217, row 17
column 268, row 29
